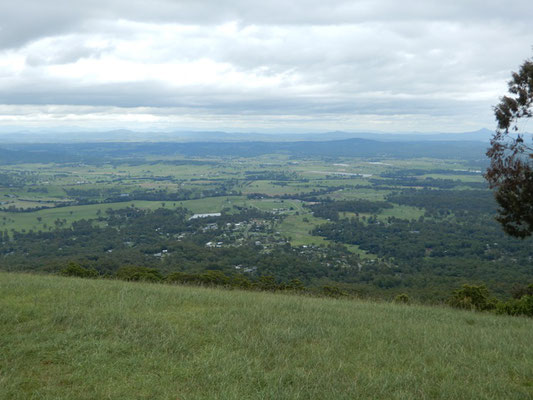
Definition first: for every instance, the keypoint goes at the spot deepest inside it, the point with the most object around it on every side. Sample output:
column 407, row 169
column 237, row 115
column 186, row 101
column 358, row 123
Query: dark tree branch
column 511, row 171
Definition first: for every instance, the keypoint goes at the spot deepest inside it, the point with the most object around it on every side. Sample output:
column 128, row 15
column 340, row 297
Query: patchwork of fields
column 374, row 225
column 48, row 186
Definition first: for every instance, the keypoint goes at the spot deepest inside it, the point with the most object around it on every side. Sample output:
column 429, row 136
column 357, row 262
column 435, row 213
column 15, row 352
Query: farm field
column 47, row 186
column 377, row 226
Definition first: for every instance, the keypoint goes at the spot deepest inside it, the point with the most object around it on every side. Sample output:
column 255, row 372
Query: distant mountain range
column 482, row 135
column 354, row 147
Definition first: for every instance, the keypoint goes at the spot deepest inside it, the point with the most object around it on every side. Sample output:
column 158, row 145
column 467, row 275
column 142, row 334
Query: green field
column 66, row 338
column 297, row 228
column 406, row 212
column 267, row 203
column 30, row 221
column 158, row 173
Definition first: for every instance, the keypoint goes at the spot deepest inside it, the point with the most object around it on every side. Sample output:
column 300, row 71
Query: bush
column 472, row 297
column 214, row 278
column 133, row 273
column 182, row 277
column 402, row 298
column 73, row 269
column 522, row 306
column 295, row 284
column 332, row 291
column 241, row 281
column 267, row 282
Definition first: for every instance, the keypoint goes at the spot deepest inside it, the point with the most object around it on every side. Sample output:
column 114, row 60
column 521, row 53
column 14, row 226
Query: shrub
column 402, row 298
column 73, row 269
column 182, row 277
column 295, row 284
column 133, row 273
column 214, row 278
column 472, row 297
column 267, row 282
column 241, row 281
column 522, row 306
column 332, row 291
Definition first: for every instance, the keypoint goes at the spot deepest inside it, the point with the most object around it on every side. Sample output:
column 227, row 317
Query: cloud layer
column 271, row 66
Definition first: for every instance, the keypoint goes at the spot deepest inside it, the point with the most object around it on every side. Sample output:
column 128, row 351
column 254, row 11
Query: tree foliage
column 472, row 297
column 74, row 269
column 511, row 157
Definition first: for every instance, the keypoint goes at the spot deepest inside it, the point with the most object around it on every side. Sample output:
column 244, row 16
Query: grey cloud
column 154, row 95
column 380, row 57
column 28, row 20
column 63, row 53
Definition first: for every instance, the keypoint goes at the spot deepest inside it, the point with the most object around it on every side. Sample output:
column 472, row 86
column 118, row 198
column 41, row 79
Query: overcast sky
column 263, row 66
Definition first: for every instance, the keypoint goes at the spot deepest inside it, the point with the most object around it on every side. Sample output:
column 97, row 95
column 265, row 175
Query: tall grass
column 67, row 338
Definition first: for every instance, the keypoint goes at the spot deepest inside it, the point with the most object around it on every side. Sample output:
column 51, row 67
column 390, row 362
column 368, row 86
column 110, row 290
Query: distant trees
column 511, row 157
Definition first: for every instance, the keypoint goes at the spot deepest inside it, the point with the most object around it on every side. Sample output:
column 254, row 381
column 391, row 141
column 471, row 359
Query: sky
column 259, row 66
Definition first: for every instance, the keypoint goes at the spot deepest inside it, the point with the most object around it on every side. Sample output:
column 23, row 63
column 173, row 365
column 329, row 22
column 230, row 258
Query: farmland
column 373, row 225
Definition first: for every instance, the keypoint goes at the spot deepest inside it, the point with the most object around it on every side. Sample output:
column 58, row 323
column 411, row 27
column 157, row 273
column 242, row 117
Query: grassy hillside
column 65, row 338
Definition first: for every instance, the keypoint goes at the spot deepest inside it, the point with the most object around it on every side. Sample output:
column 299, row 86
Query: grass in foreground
column 66, row 338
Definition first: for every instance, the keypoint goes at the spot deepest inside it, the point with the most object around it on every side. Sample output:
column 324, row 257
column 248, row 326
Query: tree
column 511, row 158
column 472, row 297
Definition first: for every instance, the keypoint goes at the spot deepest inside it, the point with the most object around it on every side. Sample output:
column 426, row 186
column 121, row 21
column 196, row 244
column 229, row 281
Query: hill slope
column 86, row 152
column 65, row 338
